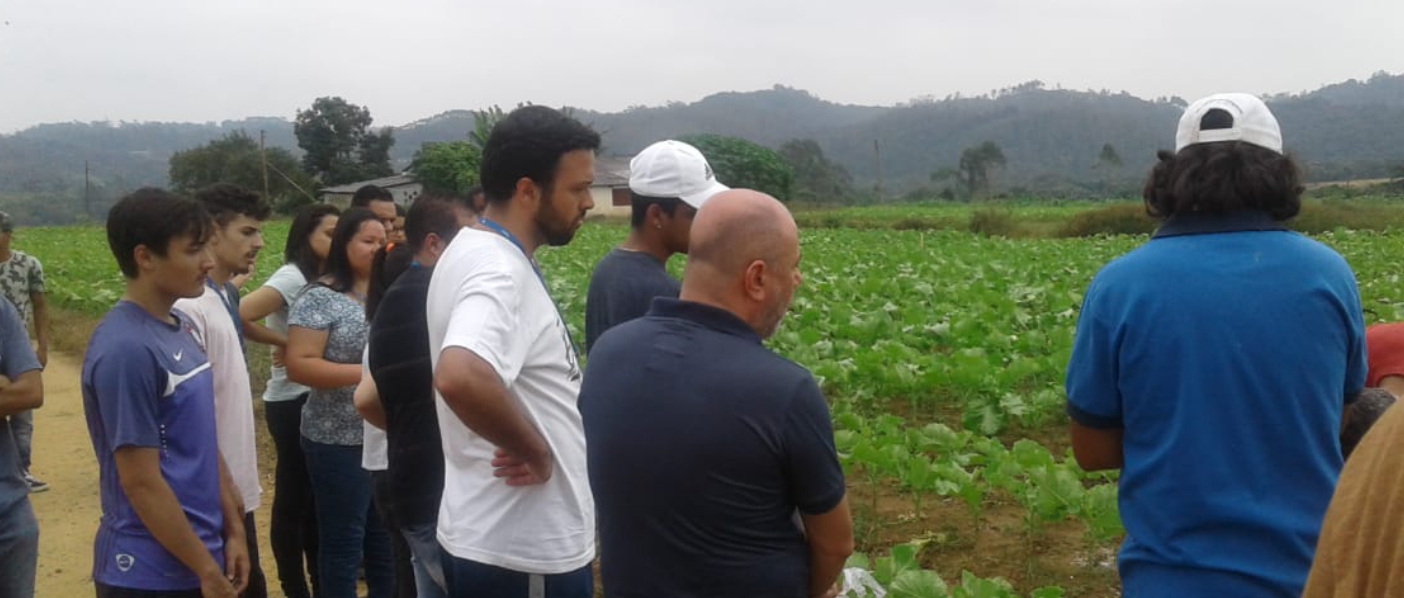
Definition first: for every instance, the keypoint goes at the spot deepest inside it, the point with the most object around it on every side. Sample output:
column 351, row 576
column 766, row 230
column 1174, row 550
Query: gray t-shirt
column 16, row 357
column 21, row 277
column 330, row 416
column 622, row 287
column 288, row 282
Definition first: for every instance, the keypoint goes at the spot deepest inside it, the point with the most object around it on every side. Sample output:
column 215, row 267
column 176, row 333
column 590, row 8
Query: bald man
column 702, row 444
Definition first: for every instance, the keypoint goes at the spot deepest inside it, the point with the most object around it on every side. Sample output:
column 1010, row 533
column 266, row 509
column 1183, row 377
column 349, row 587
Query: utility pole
column 263, row 159
column 877, row 152
column 87, row 191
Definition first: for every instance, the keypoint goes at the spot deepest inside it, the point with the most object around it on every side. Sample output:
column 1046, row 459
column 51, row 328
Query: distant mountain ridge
column 1051, row 137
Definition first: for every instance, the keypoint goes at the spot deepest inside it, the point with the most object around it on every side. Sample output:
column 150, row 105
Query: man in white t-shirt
column 238, row 236
column 517, row 518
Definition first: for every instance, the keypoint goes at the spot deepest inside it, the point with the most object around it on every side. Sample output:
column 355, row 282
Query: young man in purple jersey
column 172, row 519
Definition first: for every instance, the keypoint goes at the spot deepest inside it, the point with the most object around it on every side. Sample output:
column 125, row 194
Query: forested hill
column 1052, row 138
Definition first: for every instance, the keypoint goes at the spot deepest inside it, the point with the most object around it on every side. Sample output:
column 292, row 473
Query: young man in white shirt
column 237, row 237
column 517, row 518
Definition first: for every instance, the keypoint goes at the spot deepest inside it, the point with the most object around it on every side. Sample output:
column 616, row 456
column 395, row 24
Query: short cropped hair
column 226, row 201
column 1222, row 177
column 153, row 217
column 529, row 143
column 1362, row 415
column 369, row 193
column 639, row 207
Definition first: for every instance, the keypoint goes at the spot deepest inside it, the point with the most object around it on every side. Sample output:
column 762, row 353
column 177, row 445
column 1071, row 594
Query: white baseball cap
column 1229, row 117
column 673, row 169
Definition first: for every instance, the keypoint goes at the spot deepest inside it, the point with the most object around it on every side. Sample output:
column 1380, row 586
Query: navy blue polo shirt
column 1225, row 349
column 702, row 446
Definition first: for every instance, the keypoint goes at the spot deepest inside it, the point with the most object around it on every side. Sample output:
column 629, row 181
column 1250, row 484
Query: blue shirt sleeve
column 1094, row 397
column 129, row 383
column 1357, row 356
column 811, row 461
column 16, row 356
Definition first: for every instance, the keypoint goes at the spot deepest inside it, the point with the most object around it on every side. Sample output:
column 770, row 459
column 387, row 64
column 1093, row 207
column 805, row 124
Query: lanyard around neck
column 507, row 234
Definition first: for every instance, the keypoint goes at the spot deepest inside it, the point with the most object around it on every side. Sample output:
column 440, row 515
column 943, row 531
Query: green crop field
column 942, row 354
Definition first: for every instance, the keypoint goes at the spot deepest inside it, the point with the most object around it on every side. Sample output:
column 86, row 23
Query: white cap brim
column 697, row 199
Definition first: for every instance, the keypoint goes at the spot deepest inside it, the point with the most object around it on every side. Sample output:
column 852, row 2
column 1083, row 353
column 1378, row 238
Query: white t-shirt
column 485, row 297
column 234, row 418
column 288, row 281
column 375, row 451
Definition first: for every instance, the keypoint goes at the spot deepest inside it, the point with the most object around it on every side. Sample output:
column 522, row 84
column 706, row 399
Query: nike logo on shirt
column 174, row 380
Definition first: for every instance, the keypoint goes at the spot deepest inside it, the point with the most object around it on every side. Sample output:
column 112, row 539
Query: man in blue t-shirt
column 172, row 519
column 712, row 459
column 21, row 389
column 1212, row 365
column 668, row 182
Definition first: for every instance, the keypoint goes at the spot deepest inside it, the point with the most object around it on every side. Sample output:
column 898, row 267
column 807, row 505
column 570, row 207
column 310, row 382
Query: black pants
column 258, row 585
column 104, row 591
column 293, row 530
column 404, row 568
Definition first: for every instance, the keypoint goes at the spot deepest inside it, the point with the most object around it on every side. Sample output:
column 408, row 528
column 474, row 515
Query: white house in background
column 402, row 186
column 610, row 190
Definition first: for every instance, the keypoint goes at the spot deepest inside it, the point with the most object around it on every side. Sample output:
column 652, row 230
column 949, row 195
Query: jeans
column 348, row 528
column 293, row 527
column 22, row 426
column 105, row 591
column 423, row 543
column 468, row 578
column 19, row 551
column 404, row 568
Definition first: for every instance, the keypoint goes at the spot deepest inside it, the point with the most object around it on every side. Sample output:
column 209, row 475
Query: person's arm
column 139, row 474
column 307, row 365
column 255, row 307
column 1096, row 449
column 41, row 326
column 473, row 391
column 1394, row 384
column 368, row 401
column 830, row 539
column 23, row 393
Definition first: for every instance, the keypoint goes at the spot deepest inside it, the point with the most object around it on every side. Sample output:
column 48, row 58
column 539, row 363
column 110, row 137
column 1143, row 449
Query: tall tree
column 334, row 134
column 1109, row 157
column 975, row 165
column 451, row 166
column 816, row 177
column 235, row 158
column 740, row 163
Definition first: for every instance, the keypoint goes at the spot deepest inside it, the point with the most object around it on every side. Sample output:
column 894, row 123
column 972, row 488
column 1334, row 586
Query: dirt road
column 68, row 512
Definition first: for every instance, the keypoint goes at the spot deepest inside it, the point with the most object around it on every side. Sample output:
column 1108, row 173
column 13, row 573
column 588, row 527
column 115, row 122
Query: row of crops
column 942, row 353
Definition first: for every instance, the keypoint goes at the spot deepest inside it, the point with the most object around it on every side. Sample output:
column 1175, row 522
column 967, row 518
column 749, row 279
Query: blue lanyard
column 507, row 234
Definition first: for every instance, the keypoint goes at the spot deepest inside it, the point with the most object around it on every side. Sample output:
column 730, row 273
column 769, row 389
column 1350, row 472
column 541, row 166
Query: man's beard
column 556, row 229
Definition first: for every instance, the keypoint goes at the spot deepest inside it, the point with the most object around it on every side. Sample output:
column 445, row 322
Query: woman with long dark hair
column 326, row 336
column 293, row 527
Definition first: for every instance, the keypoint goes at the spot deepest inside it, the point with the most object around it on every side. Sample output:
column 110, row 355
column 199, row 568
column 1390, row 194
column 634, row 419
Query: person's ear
column 435, row 244
column 144, row 258
column 753, row 281
column 654, row 216
column 529, row 192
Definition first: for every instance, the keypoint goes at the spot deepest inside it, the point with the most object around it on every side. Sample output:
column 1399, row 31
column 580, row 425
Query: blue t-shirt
column 16, row 357
column 1225, row 349
column 622, row 287
column 702, row 445
column 147, row 384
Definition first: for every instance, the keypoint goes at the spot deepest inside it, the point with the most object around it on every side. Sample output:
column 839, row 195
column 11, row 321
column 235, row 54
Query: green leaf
column 919, row 583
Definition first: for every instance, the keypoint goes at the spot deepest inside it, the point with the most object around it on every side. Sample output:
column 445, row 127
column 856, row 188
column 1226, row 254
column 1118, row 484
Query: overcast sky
column 209, row 60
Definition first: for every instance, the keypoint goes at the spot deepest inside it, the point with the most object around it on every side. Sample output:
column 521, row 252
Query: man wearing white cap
column 668, row 181
column 1213, row 365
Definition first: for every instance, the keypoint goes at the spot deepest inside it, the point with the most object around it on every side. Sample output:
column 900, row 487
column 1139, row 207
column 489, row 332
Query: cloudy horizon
column 175, row 61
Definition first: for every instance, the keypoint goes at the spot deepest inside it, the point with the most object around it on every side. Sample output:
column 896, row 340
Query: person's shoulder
column 122, row 332
column 25, row 259
column 286, row 275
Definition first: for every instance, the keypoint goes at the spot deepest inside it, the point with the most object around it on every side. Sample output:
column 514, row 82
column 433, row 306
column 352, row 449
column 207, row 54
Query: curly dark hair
column 226, row 201
column 1225, row 176
column 529, row 144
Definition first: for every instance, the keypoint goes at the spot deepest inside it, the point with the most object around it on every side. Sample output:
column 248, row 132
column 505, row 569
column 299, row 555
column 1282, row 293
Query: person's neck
column 360, row 285
column 639, row 240
column 519, row 223
column 150, row 299
column 426, row 259
column 5, row 254
column 220, row 275
column 739, row 309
